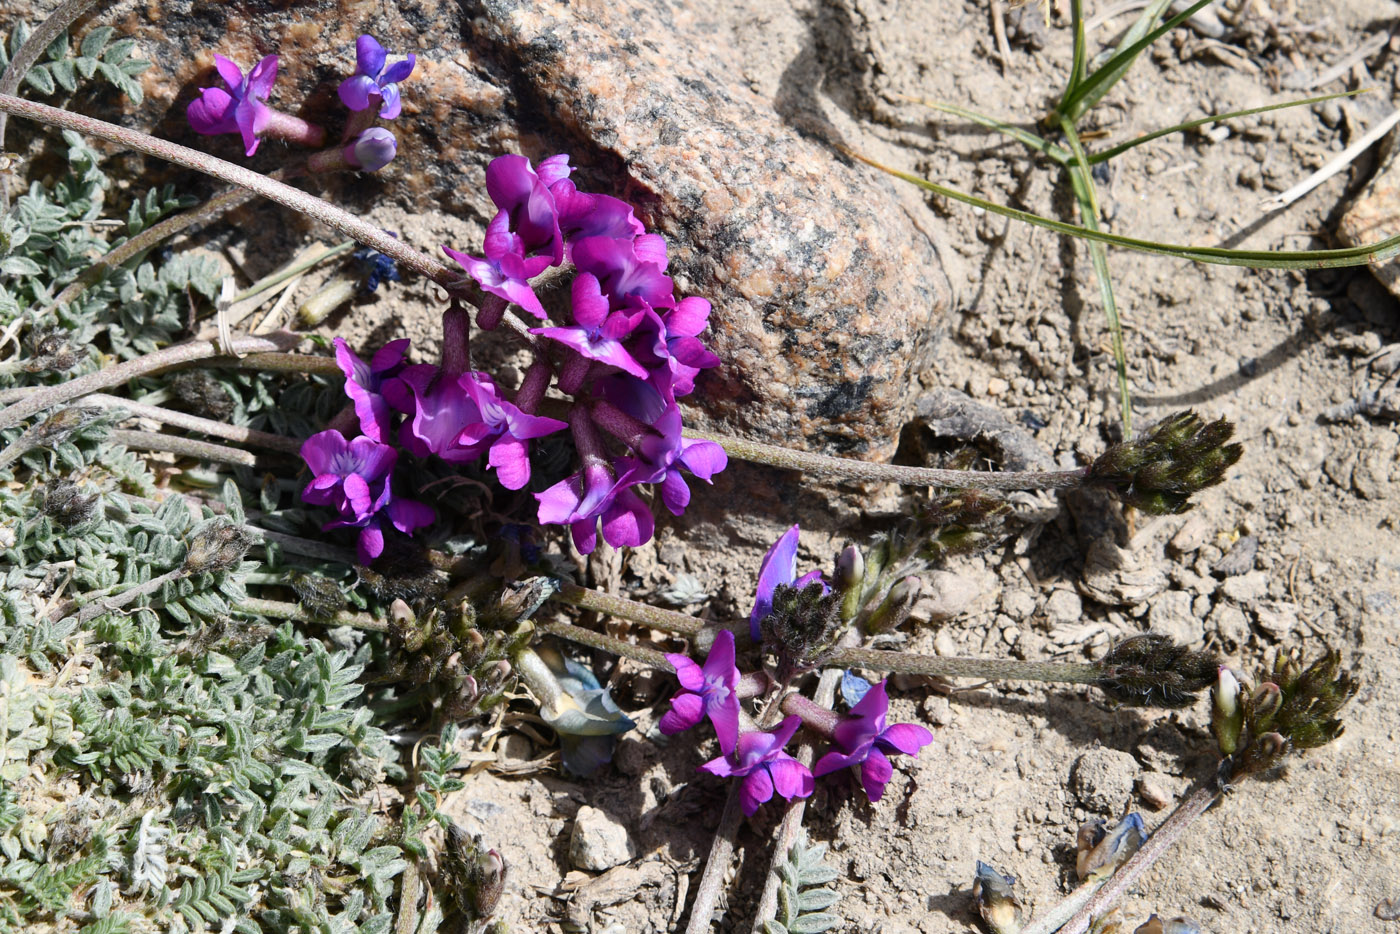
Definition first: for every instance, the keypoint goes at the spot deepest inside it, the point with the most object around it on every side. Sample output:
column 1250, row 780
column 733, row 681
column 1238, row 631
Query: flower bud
column 1178, row 925
column 1227, row 717
column 850, row 569
column 1263, row 705
column 996, row 900
column 372, row 150
column 220, row 547
column 896, row 607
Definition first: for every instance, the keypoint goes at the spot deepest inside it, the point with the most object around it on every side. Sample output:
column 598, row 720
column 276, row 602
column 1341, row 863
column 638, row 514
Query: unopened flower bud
column 996, row 900
column 401, row 614
column 1227, row 716
column 1263, row 705
column 372, row 150
column 850, row 569
column 492, row 869
column 896, row 607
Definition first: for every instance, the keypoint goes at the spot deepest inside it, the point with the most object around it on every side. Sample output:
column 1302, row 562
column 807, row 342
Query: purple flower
column 660, row 452
column 595, row 494
column 523, row 194
column 241, row 108
column 598, row 333
column 631, row 271
column 502, row 430
column 505, row 272
column 363, row 383
column 759, row 758
column 372, row 80
column 438, row 407
column 583, row 215
column 779, row 567
column 668, row 347
column 372, row 150
column 708, row 691
column 863, row 739
column 353, row 478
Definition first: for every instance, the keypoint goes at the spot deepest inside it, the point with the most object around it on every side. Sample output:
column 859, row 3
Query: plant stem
column 1082, row 181
column 309, row 364
column 48, row 396
column 791, row 826
column 29, row 52
column 277, row 609
column 1067, row 908
column 183, row 447
column 992, row 669
column 657, row 618
column 91, row 611
column 607, row 643
column 189, row 422
column 1161, row 840
column 308, row 204
column 824, row 465
column 717, row 864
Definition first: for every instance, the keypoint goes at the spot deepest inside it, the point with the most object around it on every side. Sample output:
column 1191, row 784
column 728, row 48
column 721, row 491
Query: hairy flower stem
column 791, row 826
column 657, row 618
column 824, row 465
column 716, row 864
column 189, row 422
column 815, row 715
column 310, row 364
column 278, row 609
column 993, row 669
column 294, row 198
column 607, row 643
column 48, row 396
column 100, row 607
column 24, row 59
column 183, row 447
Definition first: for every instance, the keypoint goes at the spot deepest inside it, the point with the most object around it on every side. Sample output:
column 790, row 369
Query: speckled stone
column 828, row 299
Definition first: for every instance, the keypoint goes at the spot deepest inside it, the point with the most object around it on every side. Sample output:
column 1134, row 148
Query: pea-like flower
column 759, row 759
column 240, row 109
column 707, row 691
column 863, row 739
column 372, row 150
column 364, row 383
column 779, row 567
column 373, row 81
column 596, row 494
column 353, row 478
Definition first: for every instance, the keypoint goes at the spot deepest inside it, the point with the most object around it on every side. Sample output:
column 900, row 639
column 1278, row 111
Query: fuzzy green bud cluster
column 1177, row 458
column 1296, row 708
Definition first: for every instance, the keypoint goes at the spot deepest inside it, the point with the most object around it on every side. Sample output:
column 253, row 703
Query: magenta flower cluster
column 241, row 107
column 711, row 691
column 625, row 347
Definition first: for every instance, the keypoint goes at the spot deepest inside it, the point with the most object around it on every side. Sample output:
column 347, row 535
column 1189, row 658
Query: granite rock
column 828, row 298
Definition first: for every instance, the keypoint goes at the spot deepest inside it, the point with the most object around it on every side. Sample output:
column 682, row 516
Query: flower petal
column 721, row 767
column 409, row 514
column 834, row 761
column 688, row 673
column 355, row 92
column 779, row 567
column 875, row 774
column 720, row 662
column 511, row 458
column 369, row 56
column 399, row 70
column 686, row 710
column 725, row 718
column 231, row 73
column 791, row 779
column 907, row 738
column 371, row 543
column 757, row 788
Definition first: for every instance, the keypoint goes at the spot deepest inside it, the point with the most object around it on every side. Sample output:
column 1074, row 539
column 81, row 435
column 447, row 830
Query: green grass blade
column 1105, row 155
column 1083, row 184
column 1025, row 137
column 1116, row 65
column 1255, row 259
column 1076, row 68
column 1075, row 103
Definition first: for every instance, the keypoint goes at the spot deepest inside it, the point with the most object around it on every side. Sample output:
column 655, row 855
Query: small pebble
column 937, row 710
column 1064, row 606
column 1153, row 793
column 599, row 841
